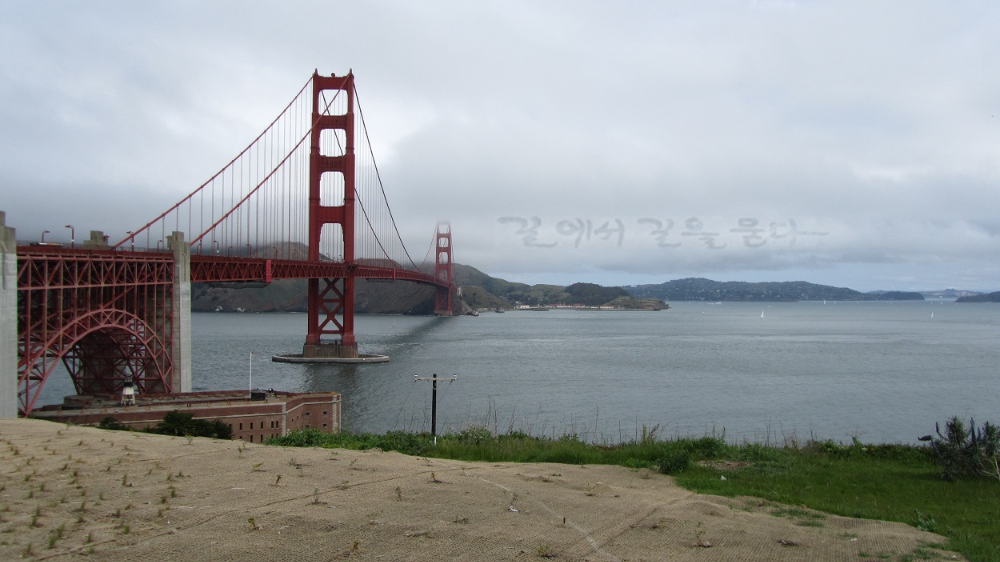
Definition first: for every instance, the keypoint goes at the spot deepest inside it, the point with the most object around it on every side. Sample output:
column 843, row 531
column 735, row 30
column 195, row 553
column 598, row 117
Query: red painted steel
column 212, row 269
column 443, row 270
column 106, row 316
column 331, row 299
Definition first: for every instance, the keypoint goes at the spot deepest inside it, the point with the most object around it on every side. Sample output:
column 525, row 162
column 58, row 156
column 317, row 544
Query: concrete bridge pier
column 181, row 301
column 8, row 320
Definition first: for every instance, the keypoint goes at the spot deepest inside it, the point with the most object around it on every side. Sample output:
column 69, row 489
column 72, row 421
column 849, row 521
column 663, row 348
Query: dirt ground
column 78, row 493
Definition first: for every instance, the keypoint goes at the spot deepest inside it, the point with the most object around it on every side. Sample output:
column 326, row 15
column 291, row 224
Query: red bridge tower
column 443, row 270
column 331, row 301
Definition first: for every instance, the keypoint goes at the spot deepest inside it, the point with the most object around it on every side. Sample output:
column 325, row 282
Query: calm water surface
column 884, row 372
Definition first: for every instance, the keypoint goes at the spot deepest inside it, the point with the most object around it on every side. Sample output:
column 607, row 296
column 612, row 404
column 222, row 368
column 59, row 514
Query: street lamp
column 72, row 236
column 44, row 232
column 131, row 238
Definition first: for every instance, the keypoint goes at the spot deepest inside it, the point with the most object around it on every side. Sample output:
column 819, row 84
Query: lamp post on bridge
column 131, row 238
column 44, row 232
column 72, row 236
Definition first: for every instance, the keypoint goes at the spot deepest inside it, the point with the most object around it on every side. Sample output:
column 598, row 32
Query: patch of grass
column 545, row 550
column 478, row 444
column 800, row 516
column 894, row 483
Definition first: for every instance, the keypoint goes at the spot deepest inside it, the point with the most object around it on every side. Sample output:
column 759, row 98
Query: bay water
column 767, row 372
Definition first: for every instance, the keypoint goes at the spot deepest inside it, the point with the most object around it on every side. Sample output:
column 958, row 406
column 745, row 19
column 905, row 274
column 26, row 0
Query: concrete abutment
column 181, row 325
column 8, row 320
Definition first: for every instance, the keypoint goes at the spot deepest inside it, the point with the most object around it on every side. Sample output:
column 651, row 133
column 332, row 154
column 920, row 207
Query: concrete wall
column 8, row 320
column 182, row 312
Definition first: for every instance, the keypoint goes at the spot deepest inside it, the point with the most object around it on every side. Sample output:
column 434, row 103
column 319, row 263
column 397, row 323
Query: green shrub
column 675, row 461
column 967, row 453
column 302, row 438
column 707, row 448
column 403, row 442
column 856, row 450
column 181, row 425
column 111, row 422
column 475, row 435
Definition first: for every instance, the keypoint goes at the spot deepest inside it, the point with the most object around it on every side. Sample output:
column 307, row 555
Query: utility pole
column 251, row 377
column 434, row 398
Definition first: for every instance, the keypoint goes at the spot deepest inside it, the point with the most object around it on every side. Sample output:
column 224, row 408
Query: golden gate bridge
column 304, row 200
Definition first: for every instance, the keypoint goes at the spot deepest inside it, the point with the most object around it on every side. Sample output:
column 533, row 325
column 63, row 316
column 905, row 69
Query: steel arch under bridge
column 108, row 317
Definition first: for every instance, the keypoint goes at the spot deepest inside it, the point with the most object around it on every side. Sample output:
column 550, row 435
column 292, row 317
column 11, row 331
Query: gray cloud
column 877, row 124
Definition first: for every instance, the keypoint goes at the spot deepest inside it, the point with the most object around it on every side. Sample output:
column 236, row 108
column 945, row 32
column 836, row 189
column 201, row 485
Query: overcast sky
column 844, row 143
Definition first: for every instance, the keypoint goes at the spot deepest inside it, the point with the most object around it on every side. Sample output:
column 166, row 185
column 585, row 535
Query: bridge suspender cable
column 364, row 127
column 217, row 174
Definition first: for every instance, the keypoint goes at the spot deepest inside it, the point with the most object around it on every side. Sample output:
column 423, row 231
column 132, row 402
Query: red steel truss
column 107, row 316
column 212, row 269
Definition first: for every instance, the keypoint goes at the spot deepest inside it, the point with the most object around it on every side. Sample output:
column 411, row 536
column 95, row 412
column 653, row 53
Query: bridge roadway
column 209, row 268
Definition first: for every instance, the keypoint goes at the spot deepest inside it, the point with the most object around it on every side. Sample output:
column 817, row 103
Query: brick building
column 253, row 417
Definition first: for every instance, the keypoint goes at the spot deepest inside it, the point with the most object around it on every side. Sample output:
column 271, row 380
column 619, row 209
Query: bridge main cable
column 190, row 196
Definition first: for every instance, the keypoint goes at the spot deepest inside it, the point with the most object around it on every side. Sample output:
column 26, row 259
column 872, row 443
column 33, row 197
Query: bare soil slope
column 77, row 493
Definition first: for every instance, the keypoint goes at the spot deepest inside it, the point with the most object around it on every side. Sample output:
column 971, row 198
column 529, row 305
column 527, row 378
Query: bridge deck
column 209, row 269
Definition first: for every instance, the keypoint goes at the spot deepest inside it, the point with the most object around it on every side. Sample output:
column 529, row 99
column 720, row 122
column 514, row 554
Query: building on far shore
column 253, row 416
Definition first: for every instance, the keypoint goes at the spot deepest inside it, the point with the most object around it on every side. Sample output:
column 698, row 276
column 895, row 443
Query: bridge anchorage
column 283, row 208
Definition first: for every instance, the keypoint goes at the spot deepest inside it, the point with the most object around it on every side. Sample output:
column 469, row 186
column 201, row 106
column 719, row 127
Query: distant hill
column 987, row 297
column 480, row 290
column 700, row 289
column 948, row 294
